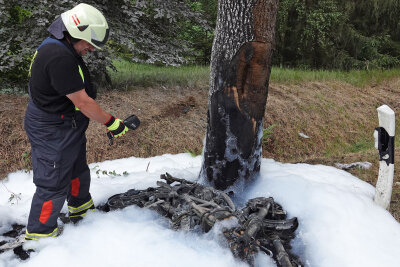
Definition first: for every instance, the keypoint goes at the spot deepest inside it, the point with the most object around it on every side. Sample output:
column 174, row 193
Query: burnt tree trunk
column 240, row 70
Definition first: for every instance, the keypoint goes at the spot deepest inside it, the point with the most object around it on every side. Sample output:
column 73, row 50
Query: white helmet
column 86, row 23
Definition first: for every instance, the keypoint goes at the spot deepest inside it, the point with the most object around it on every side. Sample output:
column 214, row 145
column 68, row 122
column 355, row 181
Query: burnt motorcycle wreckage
column 261, row 225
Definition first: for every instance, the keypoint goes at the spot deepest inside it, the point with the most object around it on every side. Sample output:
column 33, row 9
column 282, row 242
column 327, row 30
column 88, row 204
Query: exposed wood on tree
column 240, row 70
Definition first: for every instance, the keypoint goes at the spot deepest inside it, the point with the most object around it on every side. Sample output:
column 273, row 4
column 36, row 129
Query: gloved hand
column 116, row 127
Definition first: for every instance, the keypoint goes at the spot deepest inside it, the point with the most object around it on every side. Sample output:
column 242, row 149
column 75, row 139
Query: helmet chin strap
column 71, row 39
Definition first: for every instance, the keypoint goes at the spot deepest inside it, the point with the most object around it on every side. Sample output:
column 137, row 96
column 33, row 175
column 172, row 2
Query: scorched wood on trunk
column 240, row 70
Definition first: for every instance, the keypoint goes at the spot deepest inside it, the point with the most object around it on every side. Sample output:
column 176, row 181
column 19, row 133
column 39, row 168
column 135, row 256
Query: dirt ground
column 173, row 120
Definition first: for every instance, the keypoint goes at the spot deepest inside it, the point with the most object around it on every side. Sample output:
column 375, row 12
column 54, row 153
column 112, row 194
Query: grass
column 340, row 147
column 143, row 75
column 362, row 145
column 267, row 133
column 358, row 78
column 136, row 74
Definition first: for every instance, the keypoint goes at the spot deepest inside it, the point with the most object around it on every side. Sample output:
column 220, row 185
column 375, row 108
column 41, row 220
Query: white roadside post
column 384, row 142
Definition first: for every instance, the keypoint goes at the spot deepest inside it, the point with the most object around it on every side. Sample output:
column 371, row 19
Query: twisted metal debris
column 262, row 224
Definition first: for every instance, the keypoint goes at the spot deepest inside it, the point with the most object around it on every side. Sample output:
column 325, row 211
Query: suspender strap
column 50, row 40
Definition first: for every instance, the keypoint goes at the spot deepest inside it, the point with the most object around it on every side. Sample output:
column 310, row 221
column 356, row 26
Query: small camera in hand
column 132, row 122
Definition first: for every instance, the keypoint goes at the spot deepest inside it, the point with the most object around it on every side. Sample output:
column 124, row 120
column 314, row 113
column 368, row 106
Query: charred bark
column 240, row 70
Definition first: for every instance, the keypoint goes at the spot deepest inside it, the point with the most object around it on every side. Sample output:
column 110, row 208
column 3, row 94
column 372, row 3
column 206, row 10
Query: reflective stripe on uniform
column 81, row 73
column 83, row 80
column 30, row 66
column 85, row 206
column 35, row 236
column 81, row 214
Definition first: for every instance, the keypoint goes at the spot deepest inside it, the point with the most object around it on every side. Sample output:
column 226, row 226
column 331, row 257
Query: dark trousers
column 60, row 170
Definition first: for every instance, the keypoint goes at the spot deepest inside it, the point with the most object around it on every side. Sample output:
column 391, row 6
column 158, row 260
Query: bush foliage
column 310, row 34
column 141, row 31
column 338, row 34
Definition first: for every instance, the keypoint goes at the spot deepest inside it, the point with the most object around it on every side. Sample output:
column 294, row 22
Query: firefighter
column 62, row 100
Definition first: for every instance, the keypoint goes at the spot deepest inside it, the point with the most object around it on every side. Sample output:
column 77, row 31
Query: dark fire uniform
column 56, row 131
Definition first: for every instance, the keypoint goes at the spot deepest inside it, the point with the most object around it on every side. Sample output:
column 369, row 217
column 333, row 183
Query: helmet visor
column 103, row 42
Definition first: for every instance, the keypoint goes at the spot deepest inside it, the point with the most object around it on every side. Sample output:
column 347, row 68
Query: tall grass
column 358, row 78
column 135, row 74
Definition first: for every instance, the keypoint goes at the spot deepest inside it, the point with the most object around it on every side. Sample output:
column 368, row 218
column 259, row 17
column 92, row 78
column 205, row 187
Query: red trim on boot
column 47, row 208
column 75, row 186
